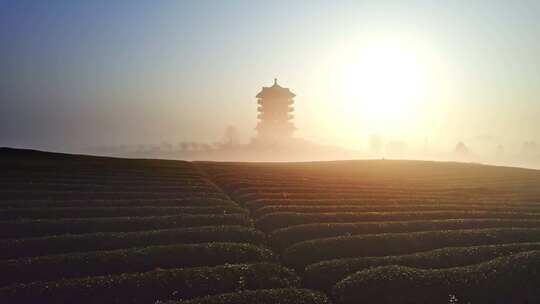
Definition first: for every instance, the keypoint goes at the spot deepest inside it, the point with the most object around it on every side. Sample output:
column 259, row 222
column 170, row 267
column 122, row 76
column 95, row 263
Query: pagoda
column 275, row 113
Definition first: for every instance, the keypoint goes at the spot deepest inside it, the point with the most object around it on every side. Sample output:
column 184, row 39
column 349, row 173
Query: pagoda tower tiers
column 275, row 113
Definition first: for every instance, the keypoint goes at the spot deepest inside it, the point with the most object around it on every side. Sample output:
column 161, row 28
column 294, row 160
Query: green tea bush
column 148, row 287
column 126, row 186
column 55, row 267
column 509, row 279
column 29, row 228
column 274, row 221
column 324, row 275
column 60, row 195
column 173, row 202
column 403, row 201
column 262, row 296
column 389, row 208
column 27, row 247
column 85, row 212
column 285, row 237
column 305, row 195
column 309, row 252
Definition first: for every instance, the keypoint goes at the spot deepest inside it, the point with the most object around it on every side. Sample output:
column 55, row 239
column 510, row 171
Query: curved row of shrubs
column 55, row 267
column 180, row 181
column 389, row 208
column 108, row 187
column 101, row 179
column 509, row 279
column 237, row 183
column 29, row 228
column 256, row 204
column 324, row 275
column 171, row 202
column 84, row 212
column 285, row 237
column 274, row 221
column 148, row 287
column 262, row 296
column 6, row 195
column 324, row 188
column 327, row 192
column 64, row 243
column 309, row 252
column 366, row 195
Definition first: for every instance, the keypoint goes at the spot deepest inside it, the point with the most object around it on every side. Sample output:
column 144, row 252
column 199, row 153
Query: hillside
column 87, row 229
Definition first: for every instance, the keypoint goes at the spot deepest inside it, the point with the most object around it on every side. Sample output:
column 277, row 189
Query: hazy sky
column 85, row 73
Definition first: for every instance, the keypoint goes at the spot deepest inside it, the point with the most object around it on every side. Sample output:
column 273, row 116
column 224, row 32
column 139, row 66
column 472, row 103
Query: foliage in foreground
column 263, row 296
column 30, row 228
column 134, row 202
column 387, row 208
column 324, row 275
column 85, row 212
column 64, row 243
column 309, row 252
column 402, row 201
column 285, row 237
column 148, row 287
column 274, row 221
column 509, row 279
column 55, row 267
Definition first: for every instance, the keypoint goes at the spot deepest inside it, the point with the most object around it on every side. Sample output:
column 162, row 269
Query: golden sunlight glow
column 385, row 83
column 386, row 80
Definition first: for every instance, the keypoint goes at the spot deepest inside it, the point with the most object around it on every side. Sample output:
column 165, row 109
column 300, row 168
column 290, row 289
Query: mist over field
column 373, row 79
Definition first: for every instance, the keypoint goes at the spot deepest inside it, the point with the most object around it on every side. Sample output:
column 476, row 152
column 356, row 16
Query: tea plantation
column 85, row 229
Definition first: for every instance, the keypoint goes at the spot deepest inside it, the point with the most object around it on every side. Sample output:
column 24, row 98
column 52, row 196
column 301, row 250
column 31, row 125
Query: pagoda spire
column 275, row 113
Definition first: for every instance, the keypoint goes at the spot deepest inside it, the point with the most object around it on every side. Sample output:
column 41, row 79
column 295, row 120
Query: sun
column 386, row 81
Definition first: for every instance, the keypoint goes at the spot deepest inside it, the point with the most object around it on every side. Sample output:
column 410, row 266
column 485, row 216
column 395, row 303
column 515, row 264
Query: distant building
column 461, row 149
column 529, row 148
column 275, row 113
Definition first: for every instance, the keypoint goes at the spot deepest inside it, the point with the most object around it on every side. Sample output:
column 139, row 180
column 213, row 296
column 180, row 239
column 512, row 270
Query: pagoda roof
column 275, row 91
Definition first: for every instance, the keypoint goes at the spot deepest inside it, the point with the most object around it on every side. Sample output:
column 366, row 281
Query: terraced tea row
column 324, row 275
column 43, row 227
column 286, row 237
column 350, row 226
column 386, row 244
column 278, row 220
column 71, row 212
column 184, row 201
column 148, row 287
column 264, row 296
column 260, row 212
column 255, row 205
column 55, row 267
column 64, row 243
column 509, row 279
column 88, row 230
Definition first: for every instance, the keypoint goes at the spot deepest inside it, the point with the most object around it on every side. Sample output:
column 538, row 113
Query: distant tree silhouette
column 231, row 136
column 375, row 144
column 426, row 144
column 166, row 146
column 461, row 149
column 194, row 146
column 529, row 147
column 184, row 146
column 500, row 150
column 205, row 147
